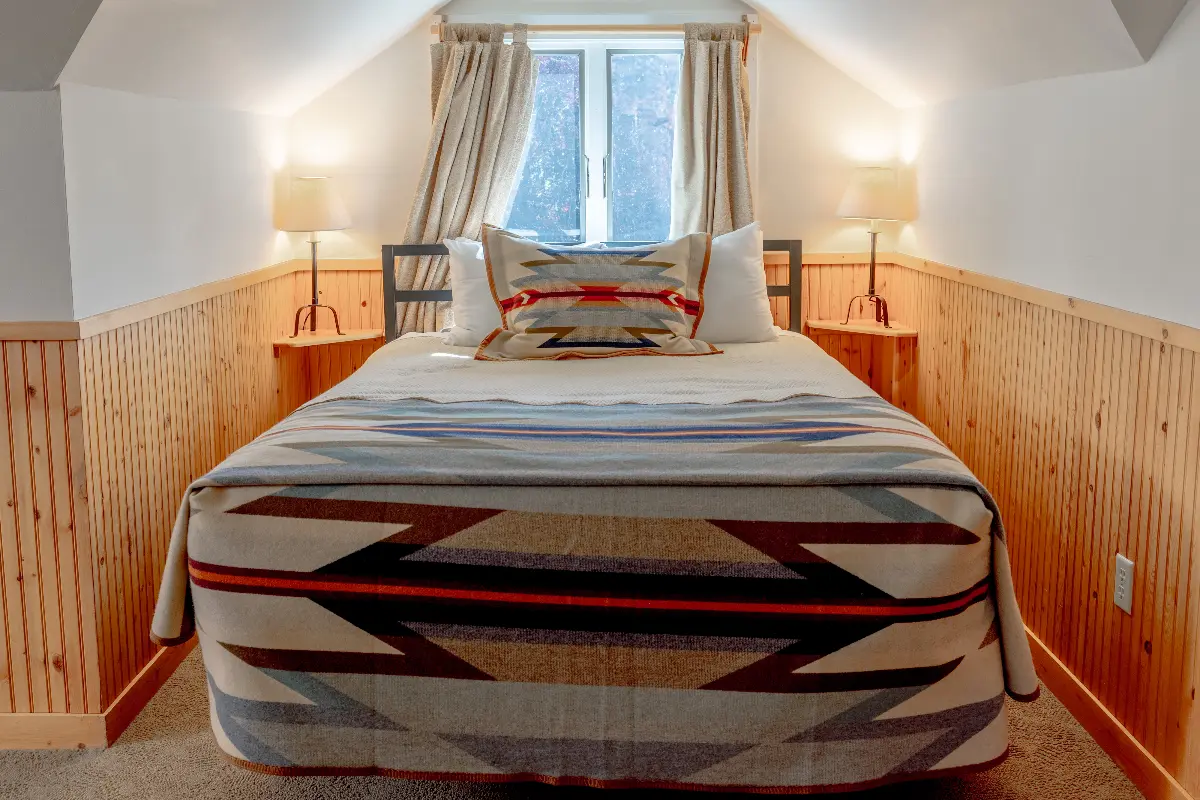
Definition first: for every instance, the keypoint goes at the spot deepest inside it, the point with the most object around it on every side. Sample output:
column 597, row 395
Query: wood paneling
column 1088, row 435
column 357, row 295
column 1084, row 423
column 308, row 371
column 47, row 636
column 99, row 439
column 887, row 364
column 166, row 399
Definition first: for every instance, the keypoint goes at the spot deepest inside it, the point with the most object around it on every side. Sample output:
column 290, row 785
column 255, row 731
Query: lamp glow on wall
column 311, row 205
column 874, row 194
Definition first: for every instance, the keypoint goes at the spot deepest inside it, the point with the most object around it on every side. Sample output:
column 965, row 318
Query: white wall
column 1088, row 186
column 164, row 195
column 35, row 257
column 370, row 134
column 815, row 125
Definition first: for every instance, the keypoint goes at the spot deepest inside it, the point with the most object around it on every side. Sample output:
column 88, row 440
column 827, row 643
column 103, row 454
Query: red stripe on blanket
column 214, row 577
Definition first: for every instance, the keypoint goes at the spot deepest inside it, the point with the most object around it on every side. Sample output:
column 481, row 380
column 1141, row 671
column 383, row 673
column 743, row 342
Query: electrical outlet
column 1123, row 593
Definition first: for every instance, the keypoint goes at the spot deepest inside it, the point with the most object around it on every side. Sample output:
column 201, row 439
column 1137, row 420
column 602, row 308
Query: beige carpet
column 169, row 754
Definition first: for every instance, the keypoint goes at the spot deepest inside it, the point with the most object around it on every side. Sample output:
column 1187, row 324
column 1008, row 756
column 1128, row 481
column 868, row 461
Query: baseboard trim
column 52, row 731
column 124, row 710
column 82, row 731
column 1135, row 760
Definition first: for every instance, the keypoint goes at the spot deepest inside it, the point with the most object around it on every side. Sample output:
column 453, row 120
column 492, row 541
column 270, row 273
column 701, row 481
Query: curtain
column 482, row 110
column 710, row 182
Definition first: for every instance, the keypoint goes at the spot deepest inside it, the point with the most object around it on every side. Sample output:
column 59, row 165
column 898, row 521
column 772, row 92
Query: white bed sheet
column 423, row 367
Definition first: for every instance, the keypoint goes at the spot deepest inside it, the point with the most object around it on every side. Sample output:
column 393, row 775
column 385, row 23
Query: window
column 601, row 146
column 549, row 201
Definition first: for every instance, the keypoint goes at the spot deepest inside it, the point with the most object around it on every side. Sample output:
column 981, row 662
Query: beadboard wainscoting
column 48, row 658
column 1084, row 421
column 102, row 435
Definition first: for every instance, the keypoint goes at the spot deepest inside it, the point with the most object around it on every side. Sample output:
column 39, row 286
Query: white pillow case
column 736, row 306
column 474, row 310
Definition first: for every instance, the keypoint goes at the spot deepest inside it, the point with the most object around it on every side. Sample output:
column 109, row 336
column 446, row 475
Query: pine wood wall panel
column 47, row 637
column 1087, row 433
column 166, row 399
column 1089, row 437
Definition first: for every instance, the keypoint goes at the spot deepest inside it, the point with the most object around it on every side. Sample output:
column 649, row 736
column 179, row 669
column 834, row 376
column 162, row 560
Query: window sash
column 596, row 129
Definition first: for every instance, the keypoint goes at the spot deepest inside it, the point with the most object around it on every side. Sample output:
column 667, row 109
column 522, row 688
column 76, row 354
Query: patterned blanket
column 796, row 596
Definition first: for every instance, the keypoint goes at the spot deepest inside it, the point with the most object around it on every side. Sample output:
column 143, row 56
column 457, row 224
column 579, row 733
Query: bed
column 743, row 573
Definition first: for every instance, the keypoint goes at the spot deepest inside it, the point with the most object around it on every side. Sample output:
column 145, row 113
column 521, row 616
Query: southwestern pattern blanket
column 795, row 596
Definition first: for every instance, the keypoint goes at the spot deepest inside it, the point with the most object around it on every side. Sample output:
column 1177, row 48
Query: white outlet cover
column 1123, row 585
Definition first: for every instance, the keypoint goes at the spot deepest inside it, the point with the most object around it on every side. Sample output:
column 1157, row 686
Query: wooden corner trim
column 83, row 731
column 1129, row 754
column 39, row 331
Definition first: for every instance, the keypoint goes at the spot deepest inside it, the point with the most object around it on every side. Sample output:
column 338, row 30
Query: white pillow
column 736, row 306
column 473, row 307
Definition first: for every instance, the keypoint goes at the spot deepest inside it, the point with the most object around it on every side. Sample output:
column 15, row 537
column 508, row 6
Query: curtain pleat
column 482, row 111
column 710, row 182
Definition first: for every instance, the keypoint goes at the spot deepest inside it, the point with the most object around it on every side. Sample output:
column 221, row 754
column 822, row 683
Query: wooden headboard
column 393, row 297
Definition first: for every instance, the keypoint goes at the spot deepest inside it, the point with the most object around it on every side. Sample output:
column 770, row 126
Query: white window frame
column 597, row 123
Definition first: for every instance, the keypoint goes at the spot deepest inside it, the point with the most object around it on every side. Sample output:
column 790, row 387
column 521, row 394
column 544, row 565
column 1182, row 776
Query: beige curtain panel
column 710, row 183
column 482, row 110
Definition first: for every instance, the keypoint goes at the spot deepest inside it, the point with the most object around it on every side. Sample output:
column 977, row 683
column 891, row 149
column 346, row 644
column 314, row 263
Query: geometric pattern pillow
column 558, row 303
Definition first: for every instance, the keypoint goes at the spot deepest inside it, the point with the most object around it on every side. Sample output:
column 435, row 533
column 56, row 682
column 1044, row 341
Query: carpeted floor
column 169, row 754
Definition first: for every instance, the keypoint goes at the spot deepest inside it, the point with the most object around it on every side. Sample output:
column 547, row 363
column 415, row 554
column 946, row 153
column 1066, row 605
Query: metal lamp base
column 881, row 307
column 310, row 318
column 309, row 311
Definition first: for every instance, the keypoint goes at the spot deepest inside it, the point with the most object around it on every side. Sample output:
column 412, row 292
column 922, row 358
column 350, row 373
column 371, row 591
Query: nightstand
column 312, row 363
column 883, row 358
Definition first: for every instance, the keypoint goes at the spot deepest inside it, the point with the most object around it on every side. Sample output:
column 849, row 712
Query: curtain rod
column 755, row 28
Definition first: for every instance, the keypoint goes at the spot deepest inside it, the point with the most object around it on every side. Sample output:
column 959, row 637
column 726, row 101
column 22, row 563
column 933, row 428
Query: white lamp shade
column 874, row 193
column 309, row 205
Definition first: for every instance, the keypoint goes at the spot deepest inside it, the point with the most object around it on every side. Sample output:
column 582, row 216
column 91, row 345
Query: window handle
column 605, row 193
column 587, row 177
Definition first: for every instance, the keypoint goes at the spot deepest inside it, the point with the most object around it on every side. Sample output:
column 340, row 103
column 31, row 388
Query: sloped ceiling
column 274, row 56
column 917, row 52
column 1148, row 21
column 267, row 56
column 36, row 39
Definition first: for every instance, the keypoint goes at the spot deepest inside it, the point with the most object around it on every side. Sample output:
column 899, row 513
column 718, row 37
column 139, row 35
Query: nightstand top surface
column 310, row 339
column 862, row 326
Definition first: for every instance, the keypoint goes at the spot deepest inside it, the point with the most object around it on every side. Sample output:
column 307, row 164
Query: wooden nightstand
column 883, row 358
column 311, row 363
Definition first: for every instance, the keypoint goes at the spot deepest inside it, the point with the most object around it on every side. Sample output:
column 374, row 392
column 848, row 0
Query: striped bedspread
column 796, row 596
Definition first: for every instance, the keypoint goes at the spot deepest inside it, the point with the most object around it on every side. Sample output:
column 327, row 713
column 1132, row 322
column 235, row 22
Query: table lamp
column 311, row 205
column 874, row 195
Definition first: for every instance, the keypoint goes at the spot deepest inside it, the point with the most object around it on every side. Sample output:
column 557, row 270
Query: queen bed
column 745, row 572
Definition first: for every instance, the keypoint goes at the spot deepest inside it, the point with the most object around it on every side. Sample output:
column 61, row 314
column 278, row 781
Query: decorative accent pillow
column 473, row 311
column 560, row 303
column 736, row 306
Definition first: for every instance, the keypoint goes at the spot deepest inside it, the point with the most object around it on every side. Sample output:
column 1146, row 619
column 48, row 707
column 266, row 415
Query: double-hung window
column 599, row 160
